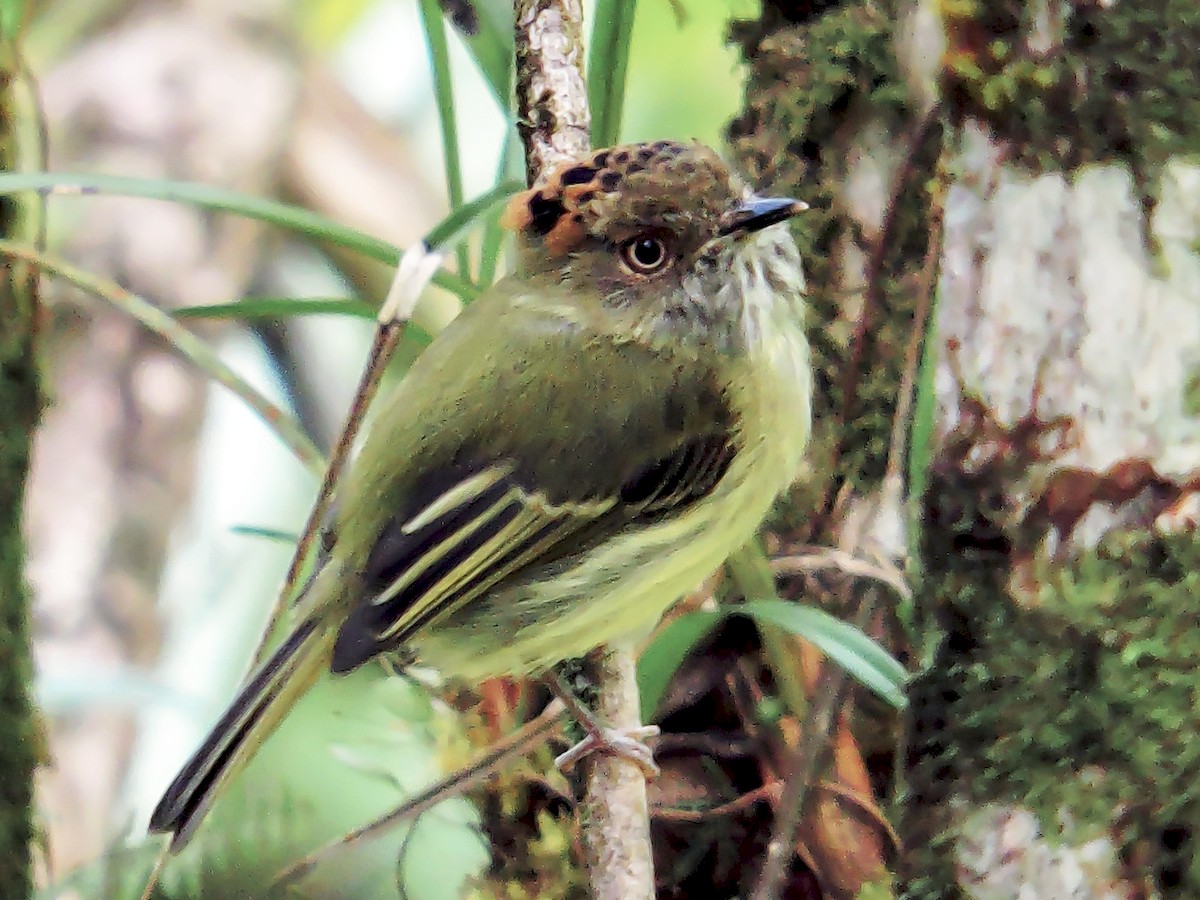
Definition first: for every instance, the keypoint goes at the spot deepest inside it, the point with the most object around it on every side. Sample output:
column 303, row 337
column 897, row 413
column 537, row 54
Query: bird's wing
column 633, row 448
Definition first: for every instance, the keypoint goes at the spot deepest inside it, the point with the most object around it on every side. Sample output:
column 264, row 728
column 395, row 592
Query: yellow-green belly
column 624, row 586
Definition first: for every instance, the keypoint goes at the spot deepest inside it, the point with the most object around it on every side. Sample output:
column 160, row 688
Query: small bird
column 582, row 446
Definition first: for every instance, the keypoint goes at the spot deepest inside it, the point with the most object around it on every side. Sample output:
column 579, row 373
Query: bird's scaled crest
column 613, row 192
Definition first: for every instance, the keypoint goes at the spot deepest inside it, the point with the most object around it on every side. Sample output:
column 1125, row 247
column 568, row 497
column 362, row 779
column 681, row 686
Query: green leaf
column 846, row 645
column 608, row 64
column 661, row 660
column 450, row 230
column 486, row 27
column 443, row 86
column 269, row 534
column 278, row 308
column 312, row 225
column 187, row 344
column 12, row 16
column 921, row 433
column 205, row 196
column 508, row 171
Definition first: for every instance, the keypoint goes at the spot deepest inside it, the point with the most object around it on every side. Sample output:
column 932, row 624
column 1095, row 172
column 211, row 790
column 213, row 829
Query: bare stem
column 809, row 761
column 416, row 268
column 616, row 814
column 523, row 741
column 553, row 119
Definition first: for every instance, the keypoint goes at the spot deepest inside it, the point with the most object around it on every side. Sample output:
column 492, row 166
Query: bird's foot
column 626, row 743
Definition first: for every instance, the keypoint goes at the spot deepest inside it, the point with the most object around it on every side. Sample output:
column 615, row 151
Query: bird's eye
column 644, row 255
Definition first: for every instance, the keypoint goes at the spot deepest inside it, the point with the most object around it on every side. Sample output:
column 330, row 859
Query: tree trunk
column 1048, row 741
column 19, row 404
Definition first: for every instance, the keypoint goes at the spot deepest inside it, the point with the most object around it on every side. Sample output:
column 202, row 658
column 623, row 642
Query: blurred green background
column 149, row 599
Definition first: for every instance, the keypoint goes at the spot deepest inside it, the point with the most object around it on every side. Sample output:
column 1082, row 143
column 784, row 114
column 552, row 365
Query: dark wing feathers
column 503, row 533
column 686, row 475
column 499, row 481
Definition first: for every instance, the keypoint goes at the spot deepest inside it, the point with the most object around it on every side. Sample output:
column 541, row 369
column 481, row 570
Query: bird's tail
column 254, row 714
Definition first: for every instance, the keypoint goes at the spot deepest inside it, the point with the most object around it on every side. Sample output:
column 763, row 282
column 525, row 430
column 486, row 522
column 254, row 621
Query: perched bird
column 582, row 446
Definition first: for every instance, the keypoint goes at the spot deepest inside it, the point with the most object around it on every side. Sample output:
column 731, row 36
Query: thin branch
column 553, row 120
column 808, row 762
column 417, row 267
column 897, row 445
column 519, row 743
column 616, row 813
column 834, row 559
column 873, row 560
column 762, row 794
column 873, row 293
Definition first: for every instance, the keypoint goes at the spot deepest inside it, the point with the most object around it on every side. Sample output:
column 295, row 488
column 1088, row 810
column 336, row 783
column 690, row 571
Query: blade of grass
column 449, row 232
column 493, row 232
column 666, row 653
column 270, row 534
column 253, row 308
column 842, row 642
column 443, row 85
column 412, row 275
column 185, row 342
column 278, row 308
column 283, row 215
column 750, row 573
column 608, row 64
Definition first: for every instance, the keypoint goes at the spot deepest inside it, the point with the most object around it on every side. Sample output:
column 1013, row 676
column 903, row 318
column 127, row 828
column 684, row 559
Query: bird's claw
column 626, row 743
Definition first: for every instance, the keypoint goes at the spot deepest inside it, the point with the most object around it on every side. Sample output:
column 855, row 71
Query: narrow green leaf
column 750, row 572
column 661, row 660
column 443, row 86
column 846, row 645
column 310, row 224
column 450, row 230
column 608, row 64
column 269, row 534
column 508, row 170
column 486, row 27
column 185, row 342
column 278, row 308
column 204, row 196
column 921, row 433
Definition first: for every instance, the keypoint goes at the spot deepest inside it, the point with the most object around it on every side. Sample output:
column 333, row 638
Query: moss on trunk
column 1048, row 738
column 19, row 405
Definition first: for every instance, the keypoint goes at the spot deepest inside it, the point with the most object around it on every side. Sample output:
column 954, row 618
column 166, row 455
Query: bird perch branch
column 552, row 116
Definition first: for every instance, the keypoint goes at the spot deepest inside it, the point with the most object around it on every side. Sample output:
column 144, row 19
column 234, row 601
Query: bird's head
column 659, row 227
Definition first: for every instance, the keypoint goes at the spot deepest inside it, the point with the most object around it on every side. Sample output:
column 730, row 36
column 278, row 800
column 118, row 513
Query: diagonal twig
column 416, row 269
column 518, row 744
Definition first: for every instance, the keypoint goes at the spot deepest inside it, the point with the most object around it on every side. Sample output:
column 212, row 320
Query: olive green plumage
column 582, row 446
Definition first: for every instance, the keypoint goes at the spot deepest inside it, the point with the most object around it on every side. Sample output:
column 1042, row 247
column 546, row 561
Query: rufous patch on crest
column 560, row 210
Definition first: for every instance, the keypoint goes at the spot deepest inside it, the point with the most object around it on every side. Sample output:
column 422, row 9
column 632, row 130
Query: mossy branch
column 20, row 403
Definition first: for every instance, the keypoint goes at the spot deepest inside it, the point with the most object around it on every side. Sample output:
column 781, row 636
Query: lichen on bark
column 1047, row 740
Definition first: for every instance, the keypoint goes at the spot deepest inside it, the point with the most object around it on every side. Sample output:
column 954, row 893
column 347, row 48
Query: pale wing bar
column 444, row 556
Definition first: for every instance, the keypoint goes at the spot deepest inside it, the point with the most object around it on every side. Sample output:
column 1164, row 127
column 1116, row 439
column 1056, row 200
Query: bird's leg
column 627, row 743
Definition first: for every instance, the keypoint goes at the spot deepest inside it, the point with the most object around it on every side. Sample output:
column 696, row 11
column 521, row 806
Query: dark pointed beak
column 758, row 213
